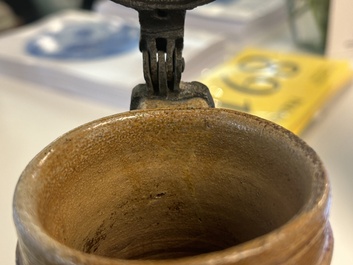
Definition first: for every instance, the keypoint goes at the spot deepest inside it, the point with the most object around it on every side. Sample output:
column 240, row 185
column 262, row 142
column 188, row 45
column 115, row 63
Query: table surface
column 31, row 116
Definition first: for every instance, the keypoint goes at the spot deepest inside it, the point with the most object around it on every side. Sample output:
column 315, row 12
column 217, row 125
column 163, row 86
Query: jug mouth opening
column 165, row 185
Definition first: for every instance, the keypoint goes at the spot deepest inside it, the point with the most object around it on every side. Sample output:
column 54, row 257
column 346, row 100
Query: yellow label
column 287, row 89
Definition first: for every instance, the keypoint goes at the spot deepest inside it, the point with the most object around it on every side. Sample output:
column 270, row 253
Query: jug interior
column 165, row 185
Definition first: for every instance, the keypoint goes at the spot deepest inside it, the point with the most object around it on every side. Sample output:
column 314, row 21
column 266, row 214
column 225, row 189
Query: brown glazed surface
column 187, row 187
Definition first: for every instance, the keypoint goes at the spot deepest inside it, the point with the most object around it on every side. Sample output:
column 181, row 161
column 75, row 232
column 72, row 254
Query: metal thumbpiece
column 161, row 43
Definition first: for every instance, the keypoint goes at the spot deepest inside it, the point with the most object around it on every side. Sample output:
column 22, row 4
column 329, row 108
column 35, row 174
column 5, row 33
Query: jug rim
column 308, row 216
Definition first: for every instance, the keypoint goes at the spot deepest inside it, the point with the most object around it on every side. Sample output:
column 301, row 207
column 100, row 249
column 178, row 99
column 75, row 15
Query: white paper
column 340, row 33
column 108, row 79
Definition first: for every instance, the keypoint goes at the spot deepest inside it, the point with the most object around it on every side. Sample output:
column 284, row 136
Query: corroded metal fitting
column 162, row 4
column 161, row 43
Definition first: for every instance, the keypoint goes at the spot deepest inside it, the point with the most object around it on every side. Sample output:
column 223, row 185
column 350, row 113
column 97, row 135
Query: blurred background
column 29, row 11
column 67, row 62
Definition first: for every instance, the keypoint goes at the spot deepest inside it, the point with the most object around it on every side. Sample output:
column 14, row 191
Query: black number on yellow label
column 254, row 85
column 264, row 75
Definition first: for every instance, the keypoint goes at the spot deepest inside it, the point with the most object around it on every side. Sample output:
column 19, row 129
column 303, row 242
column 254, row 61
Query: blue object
column 226, row 2
column 84, row 40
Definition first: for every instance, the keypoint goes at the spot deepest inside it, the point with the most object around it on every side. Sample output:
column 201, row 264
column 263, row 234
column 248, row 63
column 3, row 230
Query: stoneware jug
column 174, row 186
column 174, row 182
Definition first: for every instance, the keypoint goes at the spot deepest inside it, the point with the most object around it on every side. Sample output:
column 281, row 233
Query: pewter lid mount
column 162, row 4
column 161, row 43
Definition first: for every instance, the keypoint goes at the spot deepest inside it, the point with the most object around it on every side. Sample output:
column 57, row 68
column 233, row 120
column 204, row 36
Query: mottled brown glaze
column 186, row 187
